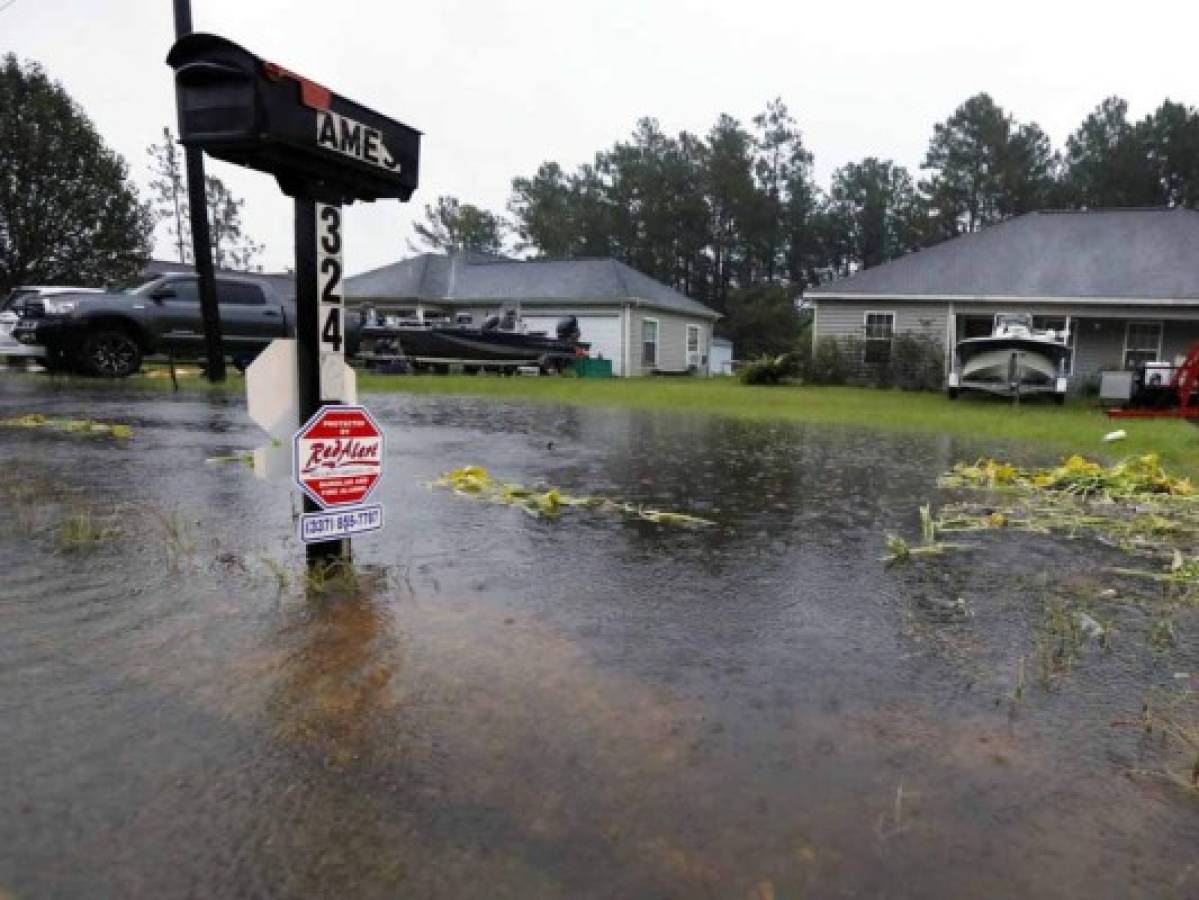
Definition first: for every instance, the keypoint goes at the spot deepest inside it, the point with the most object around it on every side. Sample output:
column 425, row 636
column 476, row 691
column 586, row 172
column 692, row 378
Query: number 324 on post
column 329, row 271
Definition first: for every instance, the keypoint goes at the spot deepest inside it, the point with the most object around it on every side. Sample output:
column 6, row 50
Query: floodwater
column 588, row 707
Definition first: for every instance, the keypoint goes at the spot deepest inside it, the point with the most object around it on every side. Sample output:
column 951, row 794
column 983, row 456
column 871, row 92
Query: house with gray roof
column 639, row 324
column 1124, row 284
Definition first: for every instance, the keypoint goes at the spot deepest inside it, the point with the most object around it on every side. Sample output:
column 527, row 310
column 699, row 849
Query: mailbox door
column 319, row 145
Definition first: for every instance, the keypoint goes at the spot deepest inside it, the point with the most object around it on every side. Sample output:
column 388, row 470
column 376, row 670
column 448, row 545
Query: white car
column 14, row 307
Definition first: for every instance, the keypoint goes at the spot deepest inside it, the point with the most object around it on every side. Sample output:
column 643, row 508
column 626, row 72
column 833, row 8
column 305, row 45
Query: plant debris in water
column 476, row 482
column 1136, row 476
column 1133, row 505
column 71, row 426
column 900, row 551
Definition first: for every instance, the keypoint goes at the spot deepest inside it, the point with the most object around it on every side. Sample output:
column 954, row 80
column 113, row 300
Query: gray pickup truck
column 108, row 334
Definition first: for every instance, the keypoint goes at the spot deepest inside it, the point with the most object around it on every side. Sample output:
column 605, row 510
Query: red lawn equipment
column 1164, row 392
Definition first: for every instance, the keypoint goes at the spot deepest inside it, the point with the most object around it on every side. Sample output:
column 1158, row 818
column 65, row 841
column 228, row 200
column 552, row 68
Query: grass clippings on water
column 477, row 483
column 68, row 426
column 1134, row 505
column 900, row 551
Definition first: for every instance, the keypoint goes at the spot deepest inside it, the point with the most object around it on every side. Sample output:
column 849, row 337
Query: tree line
column 69, row 211
column 735, row 218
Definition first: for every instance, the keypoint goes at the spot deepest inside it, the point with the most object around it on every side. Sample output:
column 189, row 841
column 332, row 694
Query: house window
column 878, row 329
column 693, row 339
column 1142, row 343
column 649, row 343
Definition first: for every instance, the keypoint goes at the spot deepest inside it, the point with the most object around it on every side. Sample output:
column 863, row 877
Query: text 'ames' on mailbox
column 248, row 111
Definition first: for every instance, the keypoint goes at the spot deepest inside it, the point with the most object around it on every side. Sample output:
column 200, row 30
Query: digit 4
column 331, row 332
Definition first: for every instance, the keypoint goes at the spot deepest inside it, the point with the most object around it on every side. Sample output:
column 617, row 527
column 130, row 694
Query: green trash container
column 586, row 367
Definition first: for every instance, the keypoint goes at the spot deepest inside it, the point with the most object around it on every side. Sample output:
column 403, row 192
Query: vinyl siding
column 672, row 340
column 846, row 318
column 1099, row 329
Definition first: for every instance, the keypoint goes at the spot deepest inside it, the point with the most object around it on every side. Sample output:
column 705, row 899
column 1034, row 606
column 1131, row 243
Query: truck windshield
column 11, row 301
column 140, row 287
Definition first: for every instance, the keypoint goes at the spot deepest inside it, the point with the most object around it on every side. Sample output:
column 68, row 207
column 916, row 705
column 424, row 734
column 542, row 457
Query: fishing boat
column 501, row 342
column 1015, row 359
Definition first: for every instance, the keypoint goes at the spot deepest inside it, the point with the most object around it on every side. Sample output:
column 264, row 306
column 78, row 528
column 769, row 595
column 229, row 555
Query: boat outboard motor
column 491, row 323
column 568, row 329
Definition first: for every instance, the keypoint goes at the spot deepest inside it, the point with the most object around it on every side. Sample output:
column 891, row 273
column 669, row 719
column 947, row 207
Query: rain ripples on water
column 589, row 706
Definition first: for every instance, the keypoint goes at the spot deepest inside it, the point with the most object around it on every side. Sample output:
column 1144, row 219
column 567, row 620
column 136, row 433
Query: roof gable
column 476, row 278
column 1134, row 254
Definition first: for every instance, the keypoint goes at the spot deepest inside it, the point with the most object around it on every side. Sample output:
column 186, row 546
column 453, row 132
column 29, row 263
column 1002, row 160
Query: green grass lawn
column 1075, row 428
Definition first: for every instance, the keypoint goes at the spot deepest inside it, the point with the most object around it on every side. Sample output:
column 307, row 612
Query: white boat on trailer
column 1016, row 359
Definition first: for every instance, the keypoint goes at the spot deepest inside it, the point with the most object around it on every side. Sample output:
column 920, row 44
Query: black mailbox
column 244, row 110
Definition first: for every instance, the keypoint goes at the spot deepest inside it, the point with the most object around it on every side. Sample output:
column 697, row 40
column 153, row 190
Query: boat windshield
column 1009, row 320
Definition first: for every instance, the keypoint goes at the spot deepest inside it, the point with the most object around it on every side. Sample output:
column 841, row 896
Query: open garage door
column 601, row 332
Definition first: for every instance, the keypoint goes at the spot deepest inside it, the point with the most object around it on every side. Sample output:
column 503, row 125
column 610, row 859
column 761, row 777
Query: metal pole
column 214, row 350
column 308, row 363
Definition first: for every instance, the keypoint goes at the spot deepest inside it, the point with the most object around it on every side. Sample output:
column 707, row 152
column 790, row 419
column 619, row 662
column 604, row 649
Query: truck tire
column 110, row 354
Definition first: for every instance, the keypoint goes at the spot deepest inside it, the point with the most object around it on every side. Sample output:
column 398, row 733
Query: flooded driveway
column 597, row 706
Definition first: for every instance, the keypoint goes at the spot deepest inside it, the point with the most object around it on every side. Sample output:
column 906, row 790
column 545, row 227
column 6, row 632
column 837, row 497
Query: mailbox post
column 214, row 349
column 325, row 151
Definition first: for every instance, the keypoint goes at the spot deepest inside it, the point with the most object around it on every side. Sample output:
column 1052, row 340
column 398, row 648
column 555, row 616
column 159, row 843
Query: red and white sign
column 338, row 456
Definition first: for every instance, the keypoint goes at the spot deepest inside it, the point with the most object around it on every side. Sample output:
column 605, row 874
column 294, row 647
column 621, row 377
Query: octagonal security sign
column 338, row 456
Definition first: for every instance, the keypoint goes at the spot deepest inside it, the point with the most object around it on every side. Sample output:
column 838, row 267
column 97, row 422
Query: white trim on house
column 878, row 312
column 691, row 356
column 1157, row 353
column 1005, row 298
column 646, row 320
column 878, row 347
column 626, row 325
column 951, row 335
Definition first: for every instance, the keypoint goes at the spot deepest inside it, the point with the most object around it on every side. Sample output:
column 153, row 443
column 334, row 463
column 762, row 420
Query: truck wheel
column 111, row 354
column 951, row 393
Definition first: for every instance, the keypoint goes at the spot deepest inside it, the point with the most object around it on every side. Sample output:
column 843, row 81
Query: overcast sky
column 498, row 86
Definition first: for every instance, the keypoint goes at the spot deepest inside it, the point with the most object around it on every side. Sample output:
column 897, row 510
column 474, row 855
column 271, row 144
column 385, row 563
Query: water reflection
column 336, row 672
column 585, row 708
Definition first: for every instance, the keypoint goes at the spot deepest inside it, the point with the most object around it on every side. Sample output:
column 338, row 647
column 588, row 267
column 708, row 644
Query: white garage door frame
column 602, row 331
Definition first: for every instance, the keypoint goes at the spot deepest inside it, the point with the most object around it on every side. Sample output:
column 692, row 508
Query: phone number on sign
column 325, row 526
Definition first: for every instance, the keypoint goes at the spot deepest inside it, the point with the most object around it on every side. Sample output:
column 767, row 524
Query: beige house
column 641, row 325
column 1124, row 283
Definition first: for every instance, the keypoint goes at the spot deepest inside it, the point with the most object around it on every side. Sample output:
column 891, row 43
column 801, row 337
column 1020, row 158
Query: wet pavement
column 590, row 707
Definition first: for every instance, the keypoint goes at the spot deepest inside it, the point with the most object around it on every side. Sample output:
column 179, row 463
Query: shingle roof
column 466, row 278
column 1117, row 254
